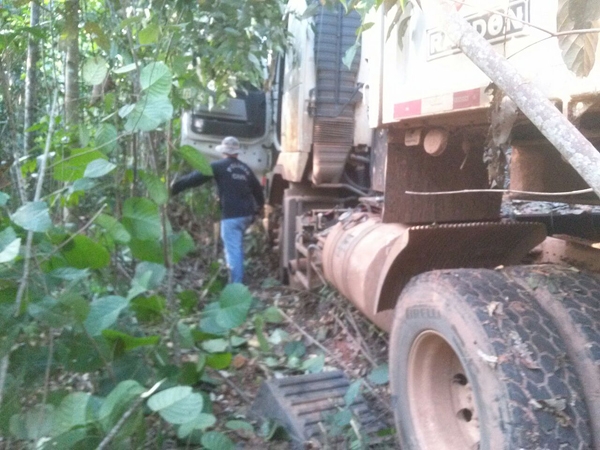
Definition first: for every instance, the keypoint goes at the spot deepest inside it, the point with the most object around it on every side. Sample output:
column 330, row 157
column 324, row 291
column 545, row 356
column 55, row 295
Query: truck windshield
column 243, row 116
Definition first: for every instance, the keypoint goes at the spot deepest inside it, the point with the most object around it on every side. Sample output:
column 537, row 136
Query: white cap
column 229, row 146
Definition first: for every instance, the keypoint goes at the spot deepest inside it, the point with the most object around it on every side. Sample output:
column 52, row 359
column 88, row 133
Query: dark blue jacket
column 240, row 193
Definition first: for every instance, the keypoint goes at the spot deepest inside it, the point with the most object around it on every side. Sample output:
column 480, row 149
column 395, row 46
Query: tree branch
column 561, row 133
column 111, row 435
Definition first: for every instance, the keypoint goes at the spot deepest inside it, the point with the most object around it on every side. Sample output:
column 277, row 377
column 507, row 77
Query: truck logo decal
column 493, row 26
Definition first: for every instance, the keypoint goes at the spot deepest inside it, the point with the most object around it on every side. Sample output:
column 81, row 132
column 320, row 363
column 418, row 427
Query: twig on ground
column 362, row 341
column 233, row 386
column 333, row 356
column 357, row 342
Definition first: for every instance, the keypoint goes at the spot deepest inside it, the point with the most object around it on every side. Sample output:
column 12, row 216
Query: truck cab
column 400, row 176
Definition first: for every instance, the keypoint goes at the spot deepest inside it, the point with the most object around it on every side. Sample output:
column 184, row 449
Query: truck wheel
column 572, row 299
column 475, row 363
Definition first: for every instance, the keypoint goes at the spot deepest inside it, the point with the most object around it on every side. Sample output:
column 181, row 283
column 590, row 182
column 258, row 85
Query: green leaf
column 104, row 312
column 240, row 425
column 33, row 424
column 94, row 70
column 215, row 345
column 219, row 361
column 272, row 315
column 98, row 35
column 182, row 244
column 259, row 325
column 148, row 308
column 125, row 69
column 234, row 303
column 310, row 11
column 186, row 339
column 48, row 311
column 74, row 305
column 314, row 364
column 113, row 228
column 124, row 111
column 147, row 276
column 177, row 404
column 208, row 322
column 72, row 412
column 142, row 219
column 79, row 353
column 352, row 392
column 294, row 348
column 68, row 309
column 271, row 429
column 278, row 336
column 188, row 300
column 237, row 341
column 342, row 418
column 254, row 60
column 156, row 79
column 215, row 440
column 69, row 273
column 82, row 184
column 195, row 159
column 350, row 55
column 149, row 34
column 379, row 375
column 10, row 245
column 180, row 64
column 69, row 440
column 73, row 167
column 83, row 253
column 156, row 187
column 117, row 402
column 147, row 250
column 98, row 168
column 3, row 199
column 129, row 342
column 33, row 216
column 84, row 135
column 201, row 422
column 149, row 113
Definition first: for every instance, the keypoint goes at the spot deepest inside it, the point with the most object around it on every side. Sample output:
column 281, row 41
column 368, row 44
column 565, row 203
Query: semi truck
column 399, row 173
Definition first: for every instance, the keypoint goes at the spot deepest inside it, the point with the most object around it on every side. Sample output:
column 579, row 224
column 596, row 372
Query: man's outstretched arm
column 190, row 180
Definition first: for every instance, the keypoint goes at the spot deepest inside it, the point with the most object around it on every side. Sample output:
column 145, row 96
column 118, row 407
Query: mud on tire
column 476, row 363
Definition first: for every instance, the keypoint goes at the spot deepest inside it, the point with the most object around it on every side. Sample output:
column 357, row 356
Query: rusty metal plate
column 451, row 246
column 302, row 404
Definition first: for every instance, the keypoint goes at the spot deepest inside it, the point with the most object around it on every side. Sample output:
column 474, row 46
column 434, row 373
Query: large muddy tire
column 572, row 299
column 476, row 363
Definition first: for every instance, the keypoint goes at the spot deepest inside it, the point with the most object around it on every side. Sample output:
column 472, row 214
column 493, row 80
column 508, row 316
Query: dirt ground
column 322, row 320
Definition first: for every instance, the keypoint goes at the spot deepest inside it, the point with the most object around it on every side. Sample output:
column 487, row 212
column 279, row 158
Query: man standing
column 240, row 197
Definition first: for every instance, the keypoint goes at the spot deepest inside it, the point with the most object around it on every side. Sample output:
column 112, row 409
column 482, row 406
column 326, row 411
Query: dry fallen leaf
column 494, row 307
column 239, row 361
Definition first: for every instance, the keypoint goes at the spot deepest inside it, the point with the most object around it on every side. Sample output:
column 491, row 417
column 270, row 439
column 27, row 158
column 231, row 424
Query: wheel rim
column 440, row 396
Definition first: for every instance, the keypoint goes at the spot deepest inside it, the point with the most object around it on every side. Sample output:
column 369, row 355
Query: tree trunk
column 33, row 56
column 561, row 133
column 72, row 62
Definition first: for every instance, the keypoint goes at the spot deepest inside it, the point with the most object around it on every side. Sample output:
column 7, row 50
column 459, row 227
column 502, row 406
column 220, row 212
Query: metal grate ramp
column 302, row 404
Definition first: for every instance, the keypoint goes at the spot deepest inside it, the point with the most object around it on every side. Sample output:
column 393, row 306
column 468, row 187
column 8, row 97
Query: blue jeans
column 232, row 234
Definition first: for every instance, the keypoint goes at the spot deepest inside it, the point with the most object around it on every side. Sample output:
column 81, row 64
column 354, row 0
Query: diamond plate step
column 302, row 403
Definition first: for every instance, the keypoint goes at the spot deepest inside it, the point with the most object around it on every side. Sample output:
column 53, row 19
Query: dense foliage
column 91, row 94
column 89, row 139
